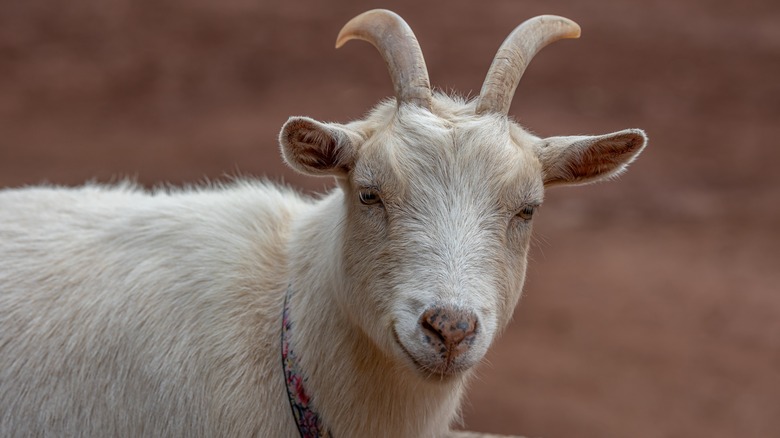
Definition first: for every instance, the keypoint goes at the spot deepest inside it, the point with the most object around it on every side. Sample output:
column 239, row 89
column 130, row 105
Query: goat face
column 439, row 196
column 438, row 229
column 438, row 218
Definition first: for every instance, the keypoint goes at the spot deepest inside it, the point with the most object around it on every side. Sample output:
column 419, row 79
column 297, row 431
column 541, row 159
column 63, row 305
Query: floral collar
column 307, row 419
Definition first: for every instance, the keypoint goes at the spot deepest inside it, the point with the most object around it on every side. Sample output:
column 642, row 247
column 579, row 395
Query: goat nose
column 449, row 330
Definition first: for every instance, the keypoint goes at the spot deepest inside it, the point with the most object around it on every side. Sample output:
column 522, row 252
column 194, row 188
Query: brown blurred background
column 652, row 307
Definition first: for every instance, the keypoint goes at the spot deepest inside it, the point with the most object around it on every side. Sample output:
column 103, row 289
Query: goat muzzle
column 449, row 332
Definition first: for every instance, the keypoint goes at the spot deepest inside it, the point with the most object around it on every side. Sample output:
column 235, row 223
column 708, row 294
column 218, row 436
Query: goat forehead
column 449, row 161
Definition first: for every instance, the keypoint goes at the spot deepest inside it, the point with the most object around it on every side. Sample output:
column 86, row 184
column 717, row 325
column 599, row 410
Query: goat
column 132, row 313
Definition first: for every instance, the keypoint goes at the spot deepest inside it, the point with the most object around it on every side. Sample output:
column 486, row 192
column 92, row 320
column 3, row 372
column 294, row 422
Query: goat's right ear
column 316, row 148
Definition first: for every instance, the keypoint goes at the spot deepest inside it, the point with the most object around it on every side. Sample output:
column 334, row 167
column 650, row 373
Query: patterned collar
column 307, row 419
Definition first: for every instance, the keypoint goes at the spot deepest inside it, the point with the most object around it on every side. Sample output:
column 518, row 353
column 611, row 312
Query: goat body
column 124, row 313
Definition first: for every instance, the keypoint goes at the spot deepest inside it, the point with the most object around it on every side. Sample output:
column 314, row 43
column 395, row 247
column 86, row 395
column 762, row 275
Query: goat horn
column 397, row 44
column 514, row 55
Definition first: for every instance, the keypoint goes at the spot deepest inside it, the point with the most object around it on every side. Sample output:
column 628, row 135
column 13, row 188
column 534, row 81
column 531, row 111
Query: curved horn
column 395, row 41
column 514, row 55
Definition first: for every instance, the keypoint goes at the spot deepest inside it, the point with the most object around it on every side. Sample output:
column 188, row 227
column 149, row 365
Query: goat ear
column 586, row 159
column 316, row 148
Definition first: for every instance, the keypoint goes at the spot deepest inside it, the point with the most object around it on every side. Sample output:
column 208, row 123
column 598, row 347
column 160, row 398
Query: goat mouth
column 440, row 373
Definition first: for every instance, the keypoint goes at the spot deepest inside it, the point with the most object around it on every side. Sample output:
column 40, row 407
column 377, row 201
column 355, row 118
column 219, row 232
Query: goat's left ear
column 317, row 148
column 585, row 159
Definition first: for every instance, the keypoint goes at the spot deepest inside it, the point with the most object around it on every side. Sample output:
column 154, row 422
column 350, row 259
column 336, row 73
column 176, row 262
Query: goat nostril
column 429, row 329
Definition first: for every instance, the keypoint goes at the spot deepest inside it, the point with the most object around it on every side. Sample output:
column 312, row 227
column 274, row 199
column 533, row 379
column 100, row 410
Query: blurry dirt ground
column 652, row 307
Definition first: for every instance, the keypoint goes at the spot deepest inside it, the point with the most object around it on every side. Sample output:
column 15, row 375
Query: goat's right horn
column 397, row 44
column 514, row 55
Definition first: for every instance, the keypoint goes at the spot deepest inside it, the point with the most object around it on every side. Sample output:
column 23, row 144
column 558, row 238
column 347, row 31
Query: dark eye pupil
column 527, row 212
column 368, row 197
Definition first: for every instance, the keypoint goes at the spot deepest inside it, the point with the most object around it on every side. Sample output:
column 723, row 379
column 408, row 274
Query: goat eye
column 369, row 197
column 526, row 213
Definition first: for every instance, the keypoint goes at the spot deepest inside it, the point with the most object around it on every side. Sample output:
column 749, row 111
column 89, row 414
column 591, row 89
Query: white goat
column 128, row 313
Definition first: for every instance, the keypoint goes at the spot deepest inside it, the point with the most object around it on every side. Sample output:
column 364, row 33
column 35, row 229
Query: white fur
column 129, row 313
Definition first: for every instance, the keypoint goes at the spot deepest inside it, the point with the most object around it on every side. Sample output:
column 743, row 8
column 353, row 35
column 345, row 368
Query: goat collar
column 306, row 418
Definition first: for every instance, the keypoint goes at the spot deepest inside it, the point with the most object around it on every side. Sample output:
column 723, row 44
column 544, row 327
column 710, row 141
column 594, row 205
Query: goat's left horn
column 397, row 44
column 514, row 55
